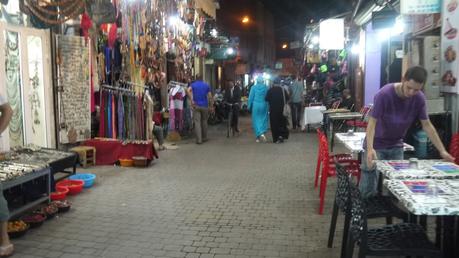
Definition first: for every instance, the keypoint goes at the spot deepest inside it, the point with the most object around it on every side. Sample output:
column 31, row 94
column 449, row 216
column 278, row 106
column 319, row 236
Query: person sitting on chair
column 346, row 100
column 233, row 96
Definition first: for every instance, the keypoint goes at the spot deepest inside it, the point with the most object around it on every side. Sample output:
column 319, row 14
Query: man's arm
column 7, row 113
column 435, row 139
column 189, row 92
column 371, row 153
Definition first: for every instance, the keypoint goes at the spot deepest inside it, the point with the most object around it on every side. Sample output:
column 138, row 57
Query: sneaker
column 257, row 140
column 281, row 139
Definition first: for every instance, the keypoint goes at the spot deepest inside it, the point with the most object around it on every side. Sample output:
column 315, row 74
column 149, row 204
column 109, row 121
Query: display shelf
column 27, row 178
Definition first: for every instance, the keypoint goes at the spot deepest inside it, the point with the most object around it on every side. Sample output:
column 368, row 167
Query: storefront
column 390, row 43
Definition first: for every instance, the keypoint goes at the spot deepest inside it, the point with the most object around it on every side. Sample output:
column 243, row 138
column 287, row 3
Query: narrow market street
column 225, row 198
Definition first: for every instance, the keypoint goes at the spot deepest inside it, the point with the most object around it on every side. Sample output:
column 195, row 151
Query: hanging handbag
column 103, row 11
column 286, row 111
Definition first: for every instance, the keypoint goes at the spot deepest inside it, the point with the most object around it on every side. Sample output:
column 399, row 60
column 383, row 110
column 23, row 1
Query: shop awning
column 207, row 6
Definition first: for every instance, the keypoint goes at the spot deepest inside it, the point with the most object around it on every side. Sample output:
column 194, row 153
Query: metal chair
column 403, row 239
column 376, row 207
column 329, row 170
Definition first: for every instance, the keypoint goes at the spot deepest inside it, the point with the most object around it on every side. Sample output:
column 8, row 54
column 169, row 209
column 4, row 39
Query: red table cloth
column 109, row 151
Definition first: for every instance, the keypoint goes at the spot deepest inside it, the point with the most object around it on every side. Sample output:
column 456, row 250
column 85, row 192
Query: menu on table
column 447, row 168
column 399, row 165
column 421, row 187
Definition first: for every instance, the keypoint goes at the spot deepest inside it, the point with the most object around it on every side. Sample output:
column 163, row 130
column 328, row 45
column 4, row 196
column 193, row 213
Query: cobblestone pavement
column 225, row 198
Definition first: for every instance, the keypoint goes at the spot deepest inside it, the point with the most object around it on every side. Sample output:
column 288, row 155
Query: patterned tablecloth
column 425, row 169
column 433, row 197
column 354, row 141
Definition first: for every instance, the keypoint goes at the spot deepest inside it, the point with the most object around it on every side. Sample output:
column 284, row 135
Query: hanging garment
column 113, row 117
column 176, row 97
column 109, row 117
column 148, row 105
column 102, row 115
column 120, row 117
column 108, row 63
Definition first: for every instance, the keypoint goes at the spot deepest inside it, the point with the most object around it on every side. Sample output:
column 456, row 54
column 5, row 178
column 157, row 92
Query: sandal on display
column 7, row 250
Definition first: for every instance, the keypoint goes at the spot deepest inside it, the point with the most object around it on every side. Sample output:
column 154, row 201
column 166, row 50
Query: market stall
column 27, row 175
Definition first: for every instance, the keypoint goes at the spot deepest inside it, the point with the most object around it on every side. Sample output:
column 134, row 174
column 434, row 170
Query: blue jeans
column 369, row 179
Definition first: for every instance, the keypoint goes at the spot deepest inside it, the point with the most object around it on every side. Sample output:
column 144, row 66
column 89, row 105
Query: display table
column 354, row 141
column 400, row 169
column 313, row 115
column 339, row 117
column 109, row 151
column 45, row 173
column 58, row 161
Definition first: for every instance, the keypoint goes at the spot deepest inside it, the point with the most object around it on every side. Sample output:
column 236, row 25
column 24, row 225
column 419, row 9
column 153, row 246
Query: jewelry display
column 24, row 160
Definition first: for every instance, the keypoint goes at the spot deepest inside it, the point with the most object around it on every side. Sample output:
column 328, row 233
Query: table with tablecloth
column 313, row 115
column 427, row 188
column 109, row 151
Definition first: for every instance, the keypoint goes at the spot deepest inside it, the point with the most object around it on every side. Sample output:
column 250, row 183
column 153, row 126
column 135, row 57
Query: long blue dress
column 259, row 108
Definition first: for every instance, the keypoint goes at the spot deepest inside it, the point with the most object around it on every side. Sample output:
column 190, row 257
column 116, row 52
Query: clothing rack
column 115, row 88
column 176, row 83
column 133, row 84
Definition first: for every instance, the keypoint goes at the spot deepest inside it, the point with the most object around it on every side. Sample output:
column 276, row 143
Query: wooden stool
column 87, row 155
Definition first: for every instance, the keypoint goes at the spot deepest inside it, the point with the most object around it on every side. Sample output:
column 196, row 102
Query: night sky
column 291, row 16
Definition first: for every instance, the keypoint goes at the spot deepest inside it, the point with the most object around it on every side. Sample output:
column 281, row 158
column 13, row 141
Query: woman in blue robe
column 259, row 108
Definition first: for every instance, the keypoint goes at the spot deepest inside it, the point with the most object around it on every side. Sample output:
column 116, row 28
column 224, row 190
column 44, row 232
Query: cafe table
column 332, row 118
column 427, row 188
column 354, row 142
column 432, row 197
column 423, row 169
column 313, row 115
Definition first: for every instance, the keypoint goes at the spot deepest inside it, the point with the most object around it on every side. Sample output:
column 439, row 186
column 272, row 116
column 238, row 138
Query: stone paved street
column 224, row 198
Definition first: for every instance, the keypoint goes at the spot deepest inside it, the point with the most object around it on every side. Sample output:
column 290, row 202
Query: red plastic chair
column 335, row 104
column 360, row 123
column 341, row 158
column 454, row 147
column 329, row 169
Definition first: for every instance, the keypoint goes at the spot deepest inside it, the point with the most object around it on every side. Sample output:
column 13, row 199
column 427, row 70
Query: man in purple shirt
column 396, row 107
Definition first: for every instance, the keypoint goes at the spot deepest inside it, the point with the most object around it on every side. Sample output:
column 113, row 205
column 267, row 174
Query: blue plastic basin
column 88, row 179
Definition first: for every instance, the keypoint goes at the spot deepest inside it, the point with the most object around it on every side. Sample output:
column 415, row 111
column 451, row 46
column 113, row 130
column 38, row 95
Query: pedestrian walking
column 296, row 93
column 202, row 103
column 277, row 97
column 6, row 247
column 258, row 107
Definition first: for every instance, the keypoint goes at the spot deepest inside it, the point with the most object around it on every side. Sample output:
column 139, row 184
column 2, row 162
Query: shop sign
column 421, row 6
column 332, row 34
column 450, row 47
column 425, row 22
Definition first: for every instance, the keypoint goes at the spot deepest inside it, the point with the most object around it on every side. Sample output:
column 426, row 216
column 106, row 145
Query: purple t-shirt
column 395, row 115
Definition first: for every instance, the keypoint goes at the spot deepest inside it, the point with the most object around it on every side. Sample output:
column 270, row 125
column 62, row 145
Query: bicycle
column 229, row 128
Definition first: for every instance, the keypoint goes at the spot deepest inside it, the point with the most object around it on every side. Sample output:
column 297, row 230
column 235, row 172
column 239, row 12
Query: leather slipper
column 6, row 251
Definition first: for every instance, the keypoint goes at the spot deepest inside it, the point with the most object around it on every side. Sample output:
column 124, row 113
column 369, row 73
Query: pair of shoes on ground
column 161, row 148
column 203, row 140
column 7, row 250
